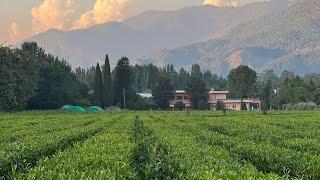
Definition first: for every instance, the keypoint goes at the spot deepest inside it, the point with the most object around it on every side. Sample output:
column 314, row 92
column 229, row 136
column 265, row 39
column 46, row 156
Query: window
column 179, row 98
column 234, row 106
column 186, row 97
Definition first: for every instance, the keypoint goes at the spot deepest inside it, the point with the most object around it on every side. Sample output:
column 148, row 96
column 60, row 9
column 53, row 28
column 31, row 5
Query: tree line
column 32, row 79
column 120, row 86
column 275, row 92
column 288, row 88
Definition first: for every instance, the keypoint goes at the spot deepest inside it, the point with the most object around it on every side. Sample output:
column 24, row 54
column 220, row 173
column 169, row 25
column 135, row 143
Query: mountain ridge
column 172, row 29
column 289, row 32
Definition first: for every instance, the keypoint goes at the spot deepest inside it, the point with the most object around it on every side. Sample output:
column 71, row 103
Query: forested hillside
column 289, row 40
column 139, row 35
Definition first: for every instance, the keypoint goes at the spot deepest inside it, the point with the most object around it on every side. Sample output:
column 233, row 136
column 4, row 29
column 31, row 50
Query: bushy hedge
column 301, row 106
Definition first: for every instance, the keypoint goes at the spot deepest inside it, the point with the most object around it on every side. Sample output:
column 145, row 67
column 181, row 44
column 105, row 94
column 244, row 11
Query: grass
column 160, row 145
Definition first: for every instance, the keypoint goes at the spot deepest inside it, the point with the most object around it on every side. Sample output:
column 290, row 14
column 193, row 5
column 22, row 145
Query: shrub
column 143, row 104
column 203, row 105
column 179, row 106
column 301, row 106
column 113, row 108
column 244, row 107
column 221, row 106
column 264, row 111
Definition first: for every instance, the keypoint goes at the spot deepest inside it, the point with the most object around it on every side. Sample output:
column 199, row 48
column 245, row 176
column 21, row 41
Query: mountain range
column 287, row 40
column 278, row 34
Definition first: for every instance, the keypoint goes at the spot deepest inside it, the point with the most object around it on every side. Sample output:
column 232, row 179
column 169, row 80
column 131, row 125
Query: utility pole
column 124, row 98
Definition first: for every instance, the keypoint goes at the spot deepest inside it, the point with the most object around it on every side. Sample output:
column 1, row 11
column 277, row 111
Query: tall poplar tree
column 98, row 86
column 107, row 84
column 265, row 96
column 122, row 87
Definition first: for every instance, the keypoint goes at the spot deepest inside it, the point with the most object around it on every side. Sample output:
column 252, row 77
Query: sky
column 23, row 18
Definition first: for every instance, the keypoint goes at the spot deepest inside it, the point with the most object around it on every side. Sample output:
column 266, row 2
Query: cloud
column 217, row 3
column 61, row 14
column 232, row 4
column 103, row 11
column 52, row 14
column 14, row 32
column 220, row 3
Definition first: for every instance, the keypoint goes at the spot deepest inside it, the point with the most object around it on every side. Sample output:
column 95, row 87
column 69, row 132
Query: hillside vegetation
column 289, row 40
column 141, row 34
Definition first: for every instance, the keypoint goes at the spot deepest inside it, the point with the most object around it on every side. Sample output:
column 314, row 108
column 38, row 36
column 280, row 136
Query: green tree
column 317, row 96
column 107, row 84
column 32, row 79
column 198, row 92
column 145, row 77
column 98, row 86
column 58, row 85
column 196, row 71
column 18, row 78
column 221, row 106
column 241, row 81
column 182, row 79
column 265, row 96
column 179, row 106
column 8, row 101
column 162, row 92
column 171, row 73
column 292, row 89
column 122, row 84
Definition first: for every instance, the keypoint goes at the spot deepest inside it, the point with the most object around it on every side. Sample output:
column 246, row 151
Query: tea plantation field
column 160, row 145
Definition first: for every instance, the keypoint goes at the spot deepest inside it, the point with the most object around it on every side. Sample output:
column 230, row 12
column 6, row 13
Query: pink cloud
column 220, row 3
column 103, row 11
column 52, row 14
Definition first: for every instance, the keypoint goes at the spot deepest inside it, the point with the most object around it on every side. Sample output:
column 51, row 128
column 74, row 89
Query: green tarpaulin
column 95, row 108
column 75, row 109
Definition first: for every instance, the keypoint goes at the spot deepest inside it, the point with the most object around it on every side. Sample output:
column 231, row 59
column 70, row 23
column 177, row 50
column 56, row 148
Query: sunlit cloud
column 103, row 11
column 217, row 3
column 59, row 14
column 52, row 14
column 49, row 14
column 220, row 3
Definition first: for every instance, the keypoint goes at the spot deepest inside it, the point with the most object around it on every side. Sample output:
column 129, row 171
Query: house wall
column 183, row 97
column 213, row 98
column 236, row 106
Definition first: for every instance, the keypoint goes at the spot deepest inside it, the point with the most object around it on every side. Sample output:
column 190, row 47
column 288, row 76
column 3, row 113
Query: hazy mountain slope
column 288, row 40
column 137, row 36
